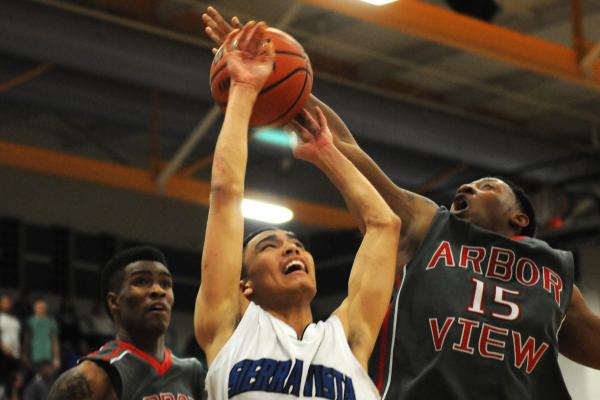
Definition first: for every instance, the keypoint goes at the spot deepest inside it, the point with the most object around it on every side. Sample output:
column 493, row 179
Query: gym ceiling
column 114, row 92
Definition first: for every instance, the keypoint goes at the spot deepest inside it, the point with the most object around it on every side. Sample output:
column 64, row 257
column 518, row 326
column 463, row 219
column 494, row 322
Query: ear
column 246, row 289
column 519, row 220
column 113, row 303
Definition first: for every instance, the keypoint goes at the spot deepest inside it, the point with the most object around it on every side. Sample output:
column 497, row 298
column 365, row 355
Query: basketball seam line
column 306, row 76
column 217, row 72
column 272, row 85
column 295, row 101
column 289, row 53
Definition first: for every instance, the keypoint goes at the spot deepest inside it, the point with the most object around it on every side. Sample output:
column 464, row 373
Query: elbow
column 385, row 221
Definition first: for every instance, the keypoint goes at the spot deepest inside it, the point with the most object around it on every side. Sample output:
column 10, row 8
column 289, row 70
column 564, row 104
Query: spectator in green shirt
column 42, row 337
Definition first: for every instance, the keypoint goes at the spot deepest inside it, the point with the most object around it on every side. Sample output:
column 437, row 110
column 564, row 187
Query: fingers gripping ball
column 285, row 92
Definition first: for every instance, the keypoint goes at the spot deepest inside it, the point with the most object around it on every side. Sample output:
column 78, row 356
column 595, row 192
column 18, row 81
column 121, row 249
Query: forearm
column 217, row 300
column 359, row 194
column 231, row 150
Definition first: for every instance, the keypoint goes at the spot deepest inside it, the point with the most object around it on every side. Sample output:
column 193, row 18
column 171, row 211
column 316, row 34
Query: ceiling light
column 274, row 136
column 378, row 2
column 266, row 212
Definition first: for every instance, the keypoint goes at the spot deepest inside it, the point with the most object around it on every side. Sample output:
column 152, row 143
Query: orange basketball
column 285, row 92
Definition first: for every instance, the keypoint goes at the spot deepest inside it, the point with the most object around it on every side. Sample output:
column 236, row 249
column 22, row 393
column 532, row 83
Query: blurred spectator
column 22, row 307
column 39, row 387
column 70, row 333
column 98, row 327
column 10, row 344
column 41, row 339
column 15, row 393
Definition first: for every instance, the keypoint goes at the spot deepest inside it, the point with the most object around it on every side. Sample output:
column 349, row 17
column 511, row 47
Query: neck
column 296, row 316
column 148, row 343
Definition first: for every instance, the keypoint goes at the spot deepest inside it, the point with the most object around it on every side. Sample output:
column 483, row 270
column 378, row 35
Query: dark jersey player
column 482, row 308
column 138, row 291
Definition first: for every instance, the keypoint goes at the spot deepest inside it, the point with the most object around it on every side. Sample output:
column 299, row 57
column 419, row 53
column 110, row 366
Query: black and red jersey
column 138, row 376
column 476, row 316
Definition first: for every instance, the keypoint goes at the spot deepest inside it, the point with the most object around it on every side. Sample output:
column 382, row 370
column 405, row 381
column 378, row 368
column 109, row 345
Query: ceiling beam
column 577, row 36
column 25, row 77
column 452, row 29
column 180, row 188
column 123, row 55
column 188, row 146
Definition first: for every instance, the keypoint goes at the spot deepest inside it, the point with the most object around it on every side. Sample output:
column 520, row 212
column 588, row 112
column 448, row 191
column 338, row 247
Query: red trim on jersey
column 517, row 238
column 113, row 354
column 383, row 343
column 160, row 368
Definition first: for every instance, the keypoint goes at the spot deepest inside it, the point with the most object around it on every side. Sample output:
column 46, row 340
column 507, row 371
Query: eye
column 267, row 245
column 141, row 282
column 299, row 244
column 487, row 186
column 167, row 284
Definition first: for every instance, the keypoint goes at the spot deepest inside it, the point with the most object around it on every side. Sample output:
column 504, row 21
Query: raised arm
column 219, row 305
column 578, row 337
column 416, row 211
column 372, row 276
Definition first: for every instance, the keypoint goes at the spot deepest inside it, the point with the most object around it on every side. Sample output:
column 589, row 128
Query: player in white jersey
column 258, row 332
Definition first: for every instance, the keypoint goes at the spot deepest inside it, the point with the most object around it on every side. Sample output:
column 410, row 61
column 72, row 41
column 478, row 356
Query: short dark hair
column 526, row 206
column 112, row 273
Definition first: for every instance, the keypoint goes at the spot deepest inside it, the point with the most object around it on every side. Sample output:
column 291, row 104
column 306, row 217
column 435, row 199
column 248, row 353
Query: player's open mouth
column 460, row 203
column 293, row 266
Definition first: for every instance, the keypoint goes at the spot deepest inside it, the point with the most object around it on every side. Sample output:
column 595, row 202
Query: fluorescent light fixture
column 274, row 136
column 378, row 2
column 266, row 212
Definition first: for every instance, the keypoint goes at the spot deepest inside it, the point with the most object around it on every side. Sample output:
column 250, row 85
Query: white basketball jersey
column 263, row 359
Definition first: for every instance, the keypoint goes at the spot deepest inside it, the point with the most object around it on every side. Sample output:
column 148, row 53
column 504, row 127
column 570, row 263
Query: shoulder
column 87, row 381
column 188, row 363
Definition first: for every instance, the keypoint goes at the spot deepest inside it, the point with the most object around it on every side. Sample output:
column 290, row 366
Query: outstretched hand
column 249, row 55
column 217, row 29
column 314, row 135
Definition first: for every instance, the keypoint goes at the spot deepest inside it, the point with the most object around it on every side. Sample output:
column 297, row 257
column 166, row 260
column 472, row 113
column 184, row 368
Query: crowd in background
column 38, row 344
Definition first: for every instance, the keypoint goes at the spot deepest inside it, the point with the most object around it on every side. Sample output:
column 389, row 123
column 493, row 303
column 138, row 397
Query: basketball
column 285, row 92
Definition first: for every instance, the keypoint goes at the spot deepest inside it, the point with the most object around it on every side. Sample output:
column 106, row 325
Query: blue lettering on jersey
column 267, row 375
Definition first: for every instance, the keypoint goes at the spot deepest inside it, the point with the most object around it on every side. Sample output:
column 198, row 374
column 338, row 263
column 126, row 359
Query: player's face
column 146, row 297
column 487, row 202
column 278, row 262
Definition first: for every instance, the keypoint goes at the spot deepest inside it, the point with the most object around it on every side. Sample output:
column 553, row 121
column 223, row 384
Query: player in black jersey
column 137, row 288
column 483, row 307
